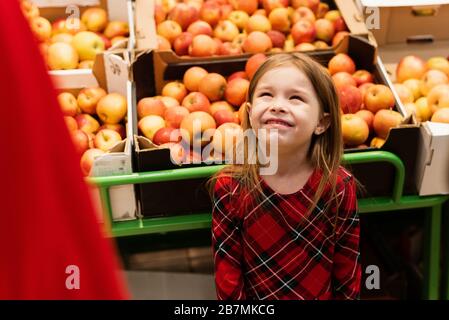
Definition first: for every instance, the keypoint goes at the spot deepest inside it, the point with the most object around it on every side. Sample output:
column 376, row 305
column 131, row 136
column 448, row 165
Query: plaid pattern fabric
column 269, row 250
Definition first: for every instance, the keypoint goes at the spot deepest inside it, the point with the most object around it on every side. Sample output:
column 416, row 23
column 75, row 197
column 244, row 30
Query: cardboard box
column 155, row 198
column 420, row 28
column 111, row 71
column 146, row 26
column 58, row 9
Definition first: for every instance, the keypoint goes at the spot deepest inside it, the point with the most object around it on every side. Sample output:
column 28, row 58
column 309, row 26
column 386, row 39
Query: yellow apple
column 88, row 45
column 95, row 19
column 423, row 109
column 62, row 56
column 41, row 28
column 111, row 109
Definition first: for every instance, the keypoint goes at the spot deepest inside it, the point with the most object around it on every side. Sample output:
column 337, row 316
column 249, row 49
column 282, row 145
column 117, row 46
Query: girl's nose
column 277, row 108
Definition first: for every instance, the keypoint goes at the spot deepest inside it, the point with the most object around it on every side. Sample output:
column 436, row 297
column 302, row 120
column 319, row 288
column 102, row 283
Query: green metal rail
column 396, row 202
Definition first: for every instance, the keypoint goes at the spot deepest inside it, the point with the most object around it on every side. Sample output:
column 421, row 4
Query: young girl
column 293, row 234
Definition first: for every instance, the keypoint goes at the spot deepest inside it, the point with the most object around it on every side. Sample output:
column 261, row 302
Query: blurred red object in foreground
column 51, row 245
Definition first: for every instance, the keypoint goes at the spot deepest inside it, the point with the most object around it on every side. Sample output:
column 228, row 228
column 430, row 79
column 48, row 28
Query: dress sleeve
column 346, row 271
column 227, row 242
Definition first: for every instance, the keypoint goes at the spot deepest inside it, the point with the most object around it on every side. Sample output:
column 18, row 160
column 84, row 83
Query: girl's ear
column 323, row 124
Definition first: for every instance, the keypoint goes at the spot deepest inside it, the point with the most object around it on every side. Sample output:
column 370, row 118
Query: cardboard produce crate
column 111, row 72
column 146, row 27
column 57, row 9
column 155, row 200
column 417, row 28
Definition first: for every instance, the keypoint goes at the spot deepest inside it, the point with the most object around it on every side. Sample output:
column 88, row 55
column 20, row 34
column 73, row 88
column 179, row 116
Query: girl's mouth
column 278, row 123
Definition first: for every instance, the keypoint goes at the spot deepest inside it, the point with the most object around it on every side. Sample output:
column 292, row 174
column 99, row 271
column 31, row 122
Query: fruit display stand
column 397, row 201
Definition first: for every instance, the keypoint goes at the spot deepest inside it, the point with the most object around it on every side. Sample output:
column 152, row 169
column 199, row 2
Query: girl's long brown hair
column 325, row 150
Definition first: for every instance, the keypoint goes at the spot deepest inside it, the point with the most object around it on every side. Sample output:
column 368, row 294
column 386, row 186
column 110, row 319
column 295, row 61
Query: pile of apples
column 95, row 121
column 366, row 107
column 73, row 43
column 214, row 101
column 200, row 28
column 423, row 87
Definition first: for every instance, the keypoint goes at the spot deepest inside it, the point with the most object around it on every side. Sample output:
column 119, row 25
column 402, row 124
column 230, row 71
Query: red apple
column 88, row 99
column 368, row 116
column 200, row 27
column 277, row 38
column 230, row 48
column 220, row 105
column 119, row 128
column 184, row 15
column 350, row 99
column 378, row 97
column 341, row 62
column 339, row 36
column 311, row 4
column 238, row 74
column 384, row 120
column 116, row 29
column 342, row 79
column 249, row 6
column 213, row 86
column 196, row 101
column 203, row 46
column 166, row 135
column 236, row 91
column 87, row 123
column 223, row 116
column 257, row 42
column 148, row 106
column 182, row 43
column 173, row 116
column 362, row 76
column 303, row 31
column 169, row 29
column 80, row 141
column 364, row 87
column 159, row 13
column 88, row 158
column 303, row 13
column 71, row 123
column 324, row 30
column 271, row 5
column 410, row 67
column 112, row 108
column 195, row 125
column 253, row 64
column 192, row 78
column 68, row 104
column 210, row 12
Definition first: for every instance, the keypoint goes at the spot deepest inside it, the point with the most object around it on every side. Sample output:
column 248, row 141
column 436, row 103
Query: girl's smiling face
column 284, row 99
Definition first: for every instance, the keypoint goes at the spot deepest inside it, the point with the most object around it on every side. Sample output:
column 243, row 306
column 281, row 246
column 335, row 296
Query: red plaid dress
column 268, row 250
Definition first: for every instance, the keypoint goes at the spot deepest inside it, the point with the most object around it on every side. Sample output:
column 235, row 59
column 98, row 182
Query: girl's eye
column 265, row 94
column 296, row 98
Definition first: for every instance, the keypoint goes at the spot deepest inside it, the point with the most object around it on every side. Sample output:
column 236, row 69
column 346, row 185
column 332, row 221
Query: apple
column 438, row 97
column 423, row 108
column 311, row 4
column 86, row 64
column 184, row 15
column 441, row 115
column 70, row 25
column 68, row 104
column 87, row 123
column 324, row 30
column 354, row 129
column 62, row 56
column 182, row 43
column 230, row 48
column 334, row 16
column 71, row 123
column 258, row 23
column 210, row 12
column 410, row 67
column 368, row 116
column 342, row 78
column 413, row 86
column 236, row 91
column 305, row 47
column 112, row 108
column 95, row 19
column 303, row 13
column 364, row 87
column 167, row 5
column 240, row 39
column 200, row 27
column 350, row 99
column 175, row 89
column 223, row 116
column 377, row 142
column 319, row 44
column 239, row 18
column 271, row 5
column 166, row 135
column 339, row 36
column 213, row 86
column 226, row 137
column 384, row 120
column 341, row 62
column 159, row 13
column 149, row 125
column 225, row 11
column 226, row 30
column 277, row 38
column 323, row 8
column 404, row 93
column 116, row 28
column 62, row 37
column 193, row 76
column 41, row 28
column 117, row 127
column 88, row 44
column 238, row 74
column 431, row 79
column 253, row 64
column 169, row 30
column 105, row 139
column 197, row 4
column 163, row 43
column 173, row 116
column 249, row 6
column 203, row 46
column 279, row 19
column 438, row 63
column 29, row 9
column 257, row 42
column 196, row 101
column 303, row 31
column 378, row 97
column 218, row 46
column 168, row 101
column 194, row 125
column 220, row 105
column 88, row 158
column 88, row 99
column 362, row 76
column 149, row 106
